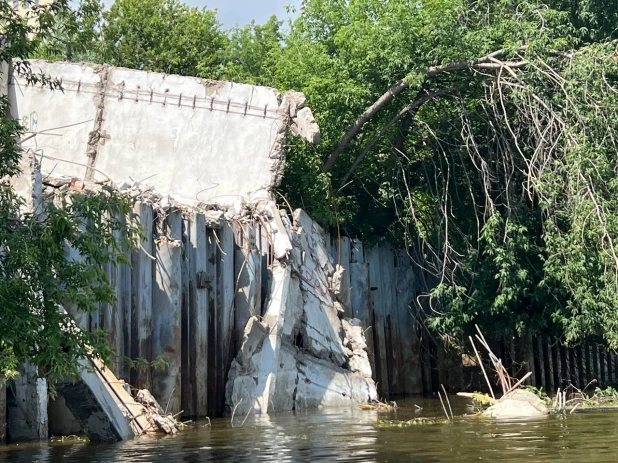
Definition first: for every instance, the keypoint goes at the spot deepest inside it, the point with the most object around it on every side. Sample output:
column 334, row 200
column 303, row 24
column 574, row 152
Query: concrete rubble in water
column 302, row 354
column 517, row 404
column 216, row 149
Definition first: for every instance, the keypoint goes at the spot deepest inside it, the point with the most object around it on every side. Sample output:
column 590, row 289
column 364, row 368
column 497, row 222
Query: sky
column 241, row 12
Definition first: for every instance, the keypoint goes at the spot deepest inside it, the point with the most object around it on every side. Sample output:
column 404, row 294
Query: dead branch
column 485, row 62
column 410, row 110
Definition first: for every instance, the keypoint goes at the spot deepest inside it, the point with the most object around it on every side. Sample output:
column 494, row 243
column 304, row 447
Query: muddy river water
column 350, row 435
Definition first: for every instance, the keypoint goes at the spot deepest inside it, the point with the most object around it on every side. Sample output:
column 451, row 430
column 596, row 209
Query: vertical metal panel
column 226, row 285
column 558, row 365
column 378, row 308
column 214, row 325
column 166, row 311
column 141, row 305
column 410, row 364
column 199, row 315
column 358, row 254
column 188, row 268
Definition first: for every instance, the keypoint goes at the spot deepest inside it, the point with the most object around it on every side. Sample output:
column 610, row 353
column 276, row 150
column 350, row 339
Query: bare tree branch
column 411, row 109
column 485, row 62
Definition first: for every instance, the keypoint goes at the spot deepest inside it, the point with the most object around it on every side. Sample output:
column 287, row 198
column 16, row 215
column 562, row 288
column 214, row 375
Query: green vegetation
column 36, row 274
column 485, row 137
column 412, row 422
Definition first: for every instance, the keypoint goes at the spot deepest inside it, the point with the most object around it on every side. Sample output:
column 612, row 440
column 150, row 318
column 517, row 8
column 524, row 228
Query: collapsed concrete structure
column 223, row 281
column 302, row 354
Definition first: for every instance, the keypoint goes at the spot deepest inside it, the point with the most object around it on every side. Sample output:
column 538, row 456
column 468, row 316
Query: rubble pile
column 308, row 356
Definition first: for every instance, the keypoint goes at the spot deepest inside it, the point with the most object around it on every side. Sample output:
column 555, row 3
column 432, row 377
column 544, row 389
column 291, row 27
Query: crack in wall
column 97, row 136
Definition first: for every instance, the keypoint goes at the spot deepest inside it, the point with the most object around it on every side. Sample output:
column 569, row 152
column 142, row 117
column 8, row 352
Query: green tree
column 480, row 132
column 162, row 36
column 75, row 34
column 251, row 53
column 37, row 276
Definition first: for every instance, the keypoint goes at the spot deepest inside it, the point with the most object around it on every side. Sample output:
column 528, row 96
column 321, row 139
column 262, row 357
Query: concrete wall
column 193, row 139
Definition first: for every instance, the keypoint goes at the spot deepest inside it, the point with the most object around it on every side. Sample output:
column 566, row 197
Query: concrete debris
column 305, row 126
column 103, row 407
column 309, row 356
column 252, row 341
column 303, row 123
column 155, row 413
column 517, row 404
column 341, row 285
column 144, row 397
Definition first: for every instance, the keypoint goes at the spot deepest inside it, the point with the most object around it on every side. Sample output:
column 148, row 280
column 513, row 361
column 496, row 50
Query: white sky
column 241, row 12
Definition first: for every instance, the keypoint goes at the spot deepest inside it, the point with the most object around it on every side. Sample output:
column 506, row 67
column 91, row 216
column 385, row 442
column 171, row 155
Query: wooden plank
column 3, row 423
column 141, row 296
column 166, row 312
column 379, row 310
column 187, row 402
column 357, row 252
column 199, row 312
column 227, row 285
column 558, row 365
column 549, row 359
column 214, row 325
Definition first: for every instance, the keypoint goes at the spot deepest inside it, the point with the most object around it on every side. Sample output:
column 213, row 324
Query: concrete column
column 28, row 410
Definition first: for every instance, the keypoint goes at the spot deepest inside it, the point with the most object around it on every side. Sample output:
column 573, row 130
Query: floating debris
column 412, row 422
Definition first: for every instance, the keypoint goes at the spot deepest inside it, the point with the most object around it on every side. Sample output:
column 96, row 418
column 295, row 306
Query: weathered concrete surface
column 302, row 355
column 167, row 131
column 166, row 312
column 28, row 185
column 517, row 404
column 28, row 410
column 61, row 421
column 106, row 411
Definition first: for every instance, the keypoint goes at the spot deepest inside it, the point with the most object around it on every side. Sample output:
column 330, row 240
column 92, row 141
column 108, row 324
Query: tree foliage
column 478, row 132
column 505, row 181
column 37, row 276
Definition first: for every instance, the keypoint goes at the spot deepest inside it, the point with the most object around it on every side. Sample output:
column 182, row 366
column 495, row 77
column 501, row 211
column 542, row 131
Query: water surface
column 350, row 435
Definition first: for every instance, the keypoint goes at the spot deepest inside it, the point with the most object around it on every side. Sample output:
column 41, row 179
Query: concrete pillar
column 28, row 410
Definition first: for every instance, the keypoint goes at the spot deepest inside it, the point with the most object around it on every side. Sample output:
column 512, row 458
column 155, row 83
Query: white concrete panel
column 63, row 119
column 193, row 154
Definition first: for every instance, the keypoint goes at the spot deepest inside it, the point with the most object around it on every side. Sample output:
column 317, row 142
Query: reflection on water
column 349, row 435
